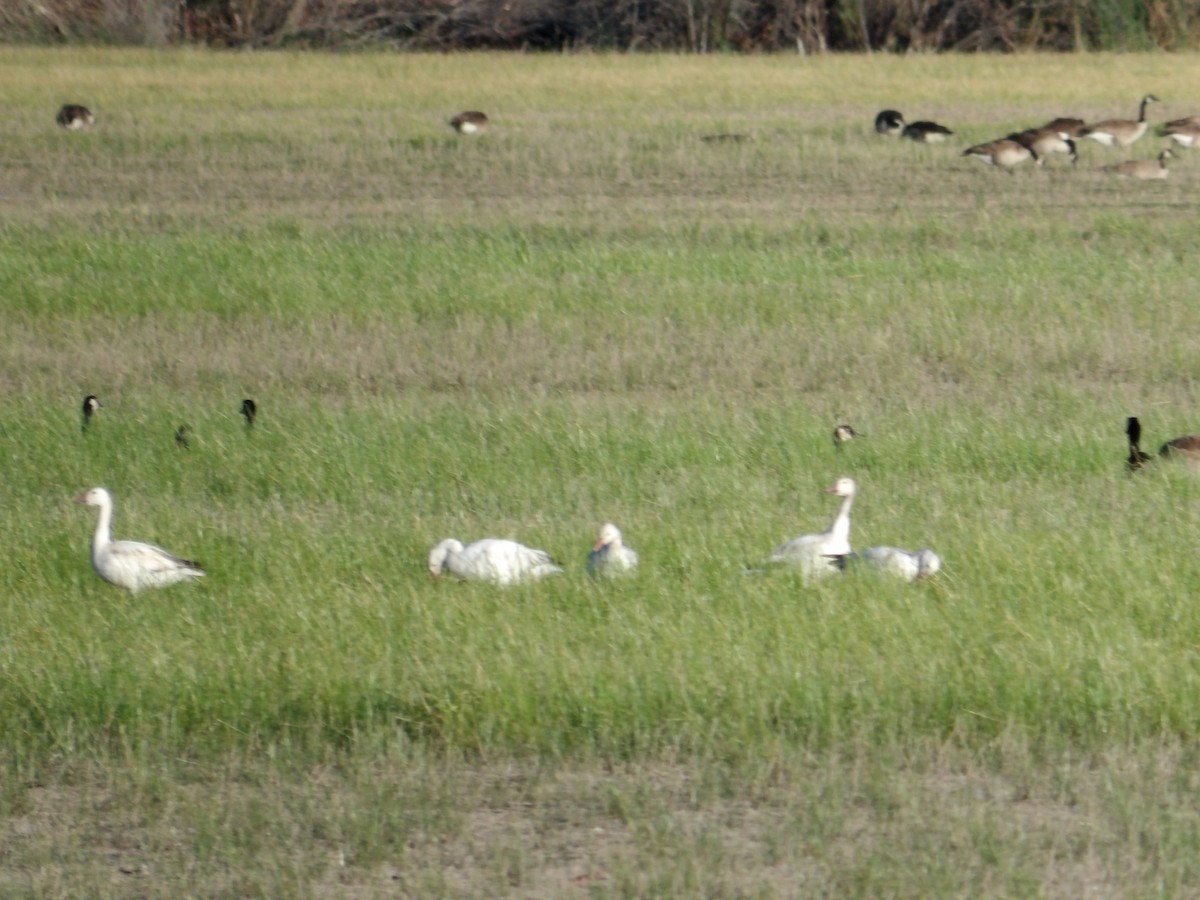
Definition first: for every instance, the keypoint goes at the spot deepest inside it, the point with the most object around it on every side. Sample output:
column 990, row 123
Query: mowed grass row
column 587, row 315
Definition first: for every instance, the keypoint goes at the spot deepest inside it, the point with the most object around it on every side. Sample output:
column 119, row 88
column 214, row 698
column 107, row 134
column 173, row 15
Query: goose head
column 438, row 555
column 928, row 563
column 610, row 536
column 97, row 496
column 844, row 433
column 843, row 487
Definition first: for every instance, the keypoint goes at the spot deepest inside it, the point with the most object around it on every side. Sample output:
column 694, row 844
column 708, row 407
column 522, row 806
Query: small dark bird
column 844, row 433
column 181, row 439
column 90, row 405
column 249, row 410
column 470, row 122
column 72, row 117
column 889, row 122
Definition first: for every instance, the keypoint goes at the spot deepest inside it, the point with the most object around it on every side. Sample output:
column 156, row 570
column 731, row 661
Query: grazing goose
column 90, row 405
column 1119, row 132
column 906, row 564
column 610, row 556
column 1043, row 142
column 492, row 559
column 889, row 122
column 821, row 554
column 1137, row 457
column 249, row 410
column 1143, row 169
column 1184, row 132
column 926, row 132
column 470, row 122
column 844, row 433
column 131, row 564
column 1004, row 153
column 72, row 117
column 1067, row 126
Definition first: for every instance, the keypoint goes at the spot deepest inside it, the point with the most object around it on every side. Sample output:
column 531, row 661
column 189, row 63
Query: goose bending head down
column 493, row 560
column 817, row 555
column 610, row 556
column 132, row 564
column 906, row 564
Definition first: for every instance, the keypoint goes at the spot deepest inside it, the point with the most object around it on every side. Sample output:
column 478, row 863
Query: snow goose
column 820, row 554
column 909, row 565
column 90, row 405
column 610, row 556
column 470, row 122
column 1119, row 132
column 249, row 410
column 72, row 117
column 131, row 564
column 493, row 560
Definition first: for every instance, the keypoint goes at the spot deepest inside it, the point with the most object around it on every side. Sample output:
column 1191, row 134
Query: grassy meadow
column 592, row 314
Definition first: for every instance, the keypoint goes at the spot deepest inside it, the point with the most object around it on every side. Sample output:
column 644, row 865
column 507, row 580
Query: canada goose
column 820, row 554
column 1119, row 132
column 907, row 564
column 90, row 405
column 1137, row 457
column 926, row 132
column 1186, row 447
column 889, row 122
column 1067, row 126
column 844, row 433
column 609, row 555
column 132, row 564
column 249, row 410
column 1042, row 142
column 470, row 122
column 1184, row 132
column 181, row 438
column 1004, row 153
column 493, row 560
column 72, row 117
column 1143, row 169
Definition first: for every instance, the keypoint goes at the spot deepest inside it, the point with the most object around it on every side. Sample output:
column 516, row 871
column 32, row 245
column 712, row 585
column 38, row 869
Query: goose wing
column 146, row 565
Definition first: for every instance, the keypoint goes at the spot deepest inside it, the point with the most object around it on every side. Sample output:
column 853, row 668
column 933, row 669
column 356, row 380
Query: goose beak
column 599, row 545
column 82, row 498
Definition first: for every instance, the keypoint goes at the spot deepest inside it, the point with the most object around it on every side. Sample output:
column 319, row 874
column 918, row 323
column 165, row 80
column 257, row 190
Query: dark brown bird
column 470, row 122
column 249, row 410
column 1185, row 447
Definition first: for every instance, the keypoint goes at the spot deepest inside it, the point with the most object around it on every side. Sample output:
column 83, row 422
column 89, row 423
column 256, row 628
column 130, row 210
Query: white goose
column 610, row 556
column 131, row 564
column 909, row 565
column 821, row 554
column 492, row 559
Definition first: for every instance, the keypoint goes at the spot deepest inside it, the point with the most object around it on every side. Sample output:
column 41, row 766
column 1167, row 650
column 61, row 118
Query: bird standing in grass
column 249, row 410
column 72, row 117
column 609, row 555
column 90, row 405
column 821, row 554
column 131, row 564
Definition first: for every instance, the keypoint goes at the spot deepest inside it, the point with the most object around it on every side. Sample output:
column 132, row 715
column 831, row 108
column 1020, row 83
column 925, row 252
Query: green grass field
column 591, row 314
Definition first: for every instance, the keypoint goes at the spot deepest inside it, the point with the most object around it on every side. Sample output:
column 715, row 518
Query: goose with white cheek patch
column 90, row 405
column 818, row 555
column 493, row 560
column 131, row 564
column 609, row 555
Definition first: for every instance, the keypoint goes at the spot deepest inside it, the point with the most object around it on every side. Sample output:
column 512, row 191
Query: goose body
column 1119, row 132
column 1004, row 153
column 72, row 117
column 609, row 555
column 907, row 564
column 494, row 560
column 1184, row 132
column 90, row 405
column 1068, row 126
column 249, row 410
column 1044, row 142
column 1143, row 169
column 817, row 555
column 889, row 122
column 1185, row 447
column 131, row 564
column 470, row 122
column 926, row 132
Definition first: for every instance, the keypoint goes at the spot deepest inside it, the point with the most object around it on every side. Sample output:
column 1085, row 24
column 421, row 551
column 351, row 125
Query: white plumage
column 131, row 564
column 909, row 565
column 610, row 556
column 494, row 560
column 818, row 555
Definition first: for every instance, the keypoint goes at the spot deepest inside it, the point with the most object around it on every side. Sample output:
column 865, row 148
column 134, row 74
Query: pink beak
column 599, row 543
